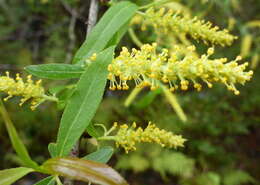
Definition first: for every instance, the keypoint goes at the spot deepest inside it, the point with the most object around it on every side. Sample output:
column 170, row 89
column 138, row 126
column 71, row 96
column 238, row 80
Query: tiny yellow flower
column 93, row 57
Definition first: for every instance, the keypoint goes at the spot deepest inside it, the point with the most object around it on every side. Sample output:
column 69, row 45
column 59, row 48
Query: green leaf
column 118, row 35
column 9, row 176
column 46, row 181
column 83, row 103
column 16, row 141
column 236, row 177
column 92, row 131
column 102, row 155
column 84, row 170
column 55, row 71
column 182, row 165
column 111, row 22
column 209, row 178
column 136, row 162
column 64, row 97
column 52, row 149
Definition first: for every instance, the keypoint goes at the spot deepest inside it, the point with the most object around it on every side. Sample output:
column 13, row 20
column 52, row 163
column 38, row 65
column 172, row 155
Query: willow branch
column 92, row 19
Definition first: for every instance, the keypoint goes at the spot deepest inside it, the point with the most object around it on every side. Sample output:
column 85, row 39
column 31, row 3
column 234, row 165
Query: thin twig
column 71, row 34
column 92, row 16
column 72, row 11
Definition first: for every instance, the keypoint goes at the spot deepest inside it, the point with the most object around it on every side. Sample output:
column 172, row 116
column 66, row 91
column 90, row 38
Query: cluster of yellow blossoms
column 170, row 22
column 17, row 87
column 128, row 137
column 149, row 68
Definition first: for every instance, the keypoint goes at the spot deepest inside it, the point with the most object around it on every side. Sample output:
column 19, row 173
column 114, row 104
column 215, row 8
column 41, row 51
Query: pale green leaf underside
column 102, row 155
column 55, row 71
column 9, row 176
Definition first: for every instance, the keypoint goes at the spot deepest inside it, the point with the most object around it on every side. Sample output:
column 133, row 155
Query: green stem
column 132, row 96
column 50, row 98
column 172, row 99
column 156, row 3
column 134, row 37
column 140, row 13
column 107, row 138
column 103, row 127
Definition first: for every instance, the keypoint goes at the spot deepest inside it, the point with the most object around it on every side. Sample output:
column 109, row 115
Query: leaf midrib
column 79, row 112
column 60, row 71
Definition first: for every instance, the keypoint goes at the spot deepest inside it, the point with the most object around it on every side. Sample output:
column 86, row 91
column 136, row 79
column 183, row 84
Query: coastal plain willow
column 152, row 65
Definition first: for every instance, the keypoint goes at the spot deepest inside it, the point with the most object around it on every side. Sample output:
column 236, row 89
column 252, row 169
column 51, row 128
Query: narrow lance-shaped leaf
column 9, row 176
column 46, row 181
column 114, row 40
column 102, row 155
column 84, row 170
column 55, row 71
column 83, row 103
column 111, row 22
column 16, row 141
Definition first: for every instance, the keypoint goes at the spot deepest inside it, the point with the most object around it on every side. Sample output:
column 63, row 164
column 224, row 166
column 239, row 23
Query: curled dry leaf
column 84, row 170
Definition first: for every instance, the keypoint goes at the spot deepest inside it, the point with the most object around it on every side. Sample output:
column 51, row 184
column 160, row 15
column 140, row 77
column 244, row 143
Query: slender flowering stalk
column 169, row 22
column 147, row 68
column 28, row 90
column 128, row 137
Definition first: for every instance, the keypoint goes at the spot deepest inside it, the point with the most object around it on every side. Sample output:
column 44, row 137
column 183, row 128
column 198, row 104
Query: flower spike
column 128, row 137
column 147, row 68
column 167, row 21
column 18, row 87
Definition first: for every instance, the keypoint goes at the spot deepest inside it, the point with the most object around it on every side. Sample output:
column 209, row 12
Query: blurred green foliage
column 222, row 129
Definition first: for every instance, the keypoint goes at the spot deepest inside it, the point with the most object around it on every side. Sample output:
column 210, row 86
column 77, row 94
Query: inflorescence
column 149, row 68
column 128, row 137
column 169, row 22
column 28, row 90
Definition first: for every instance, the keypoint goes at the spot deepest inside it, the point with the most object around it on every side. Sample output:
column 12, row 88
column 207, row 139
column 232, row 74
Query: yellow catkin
column 147, row 68
column 128, row 137
column 17, row 87
column 168, row 21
